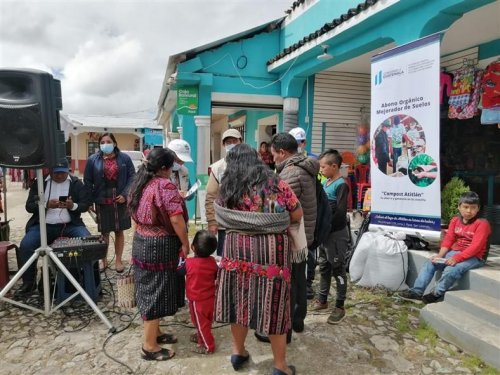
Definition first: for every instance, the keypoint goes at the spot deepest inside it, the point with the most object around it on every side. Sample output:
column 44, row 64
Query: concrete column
column 77, row 159
column 290, row 113
column 203, row 146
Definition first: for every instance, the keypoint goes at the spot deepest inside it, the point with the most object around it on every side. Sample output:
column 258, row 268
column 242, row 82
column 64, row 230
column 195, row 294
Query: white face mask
column 176, row 166
column 299, row 150
column 229, row 147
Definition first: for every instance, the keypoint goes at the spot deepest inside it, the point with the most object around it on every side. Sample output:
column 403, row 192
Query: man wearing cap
column 300, row 136
column 66, row 197
column 230, row 138
column 180, row 174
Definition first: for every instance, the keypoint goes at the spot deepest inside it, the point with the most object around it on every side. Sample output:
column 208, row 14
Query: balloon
column 363, row 158
column 362, row 138
column 362, row 130
column 361, row 149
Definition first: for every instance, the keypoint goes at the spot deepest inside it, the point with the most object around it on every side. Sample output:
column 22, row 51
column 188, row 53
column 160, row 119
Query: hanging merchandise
column 471, row 109
column 445, row 86
column 490, row 88
column 461, row 91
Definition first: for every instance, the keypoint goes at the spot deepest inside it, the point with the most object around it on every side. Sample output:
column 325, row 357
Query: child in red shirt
column 201, row 272
column 463, row 248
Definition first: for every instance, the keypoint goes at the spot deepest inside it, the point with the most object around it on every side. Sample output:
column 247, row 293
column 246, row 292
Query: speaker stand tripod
column 46, row 252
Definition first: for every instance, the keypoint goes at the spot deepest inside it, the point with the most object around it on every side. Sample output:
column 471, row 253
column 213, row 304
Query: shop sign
column 153, row 137
column 187, row 100
column 405, row 166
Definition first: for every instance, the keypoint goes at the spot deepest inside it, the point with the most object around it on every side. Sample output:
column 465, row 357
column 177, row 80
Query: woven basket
column 126, row 291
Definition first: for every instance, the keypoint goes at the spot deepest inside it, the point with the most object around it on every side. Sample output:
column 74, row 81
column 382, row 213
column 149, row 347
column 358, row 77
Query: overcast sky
column 111, row 55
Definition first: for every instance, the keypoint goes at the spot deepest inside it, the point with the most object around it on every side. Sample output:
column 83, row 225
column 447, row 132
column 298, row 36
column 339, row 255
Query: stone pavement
column 380, row 335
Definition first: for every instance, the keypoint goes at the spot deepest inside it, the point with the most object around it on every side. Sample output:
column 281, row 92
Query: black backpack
column 323, row 217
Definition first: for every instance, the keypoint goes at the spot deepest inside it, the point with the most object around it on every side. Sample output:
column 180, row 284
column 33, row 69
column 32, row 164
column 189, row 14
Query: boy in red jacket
column 463, row 248
column 201, row 272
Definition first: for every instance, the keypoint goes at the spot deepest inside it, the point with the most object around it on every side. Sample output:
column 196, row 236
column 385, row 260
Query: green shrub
column 449, row 198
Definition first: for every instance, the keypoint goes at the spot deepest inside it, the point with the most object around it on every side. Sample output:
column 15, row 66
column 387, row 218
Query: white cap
column 181, row 149
column 298, row 133
column 231, row 132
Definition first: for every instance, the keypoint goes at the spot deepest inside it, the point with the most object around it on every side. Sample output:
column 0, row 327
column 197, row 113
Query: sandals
column 239, row 360
column 194, row 338
column 120, row 270
column 166, row 338
column 277, row 371
column 161, row 355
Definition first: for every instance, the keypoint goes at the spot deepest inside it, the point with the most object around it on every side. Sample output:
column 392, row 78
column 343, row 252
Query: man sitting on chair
column 66, row 197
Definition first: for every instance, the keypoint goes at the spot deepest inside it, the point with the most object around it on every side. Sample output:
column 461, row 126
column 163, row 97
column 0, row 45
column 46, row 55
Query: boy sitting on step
column 463, row 248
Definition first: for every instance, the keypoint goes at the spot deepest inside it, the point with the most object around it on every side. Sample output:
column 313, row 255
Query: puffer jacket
column 300, row 172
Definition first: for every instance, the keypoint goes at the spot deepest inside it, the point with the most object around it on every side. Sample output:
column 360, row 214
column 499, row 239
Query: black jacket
column 78, row 192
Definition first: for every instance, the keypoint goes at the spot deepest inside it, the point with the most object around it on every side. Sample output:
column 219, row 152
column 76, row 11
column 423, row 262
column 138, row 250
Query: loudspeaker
column 30, row 131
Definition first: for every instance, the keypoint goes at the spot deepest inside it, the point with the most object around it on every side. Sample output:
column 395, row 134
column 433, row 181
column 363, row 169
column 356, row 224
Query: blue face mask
column 176, row 166
column 107, row 148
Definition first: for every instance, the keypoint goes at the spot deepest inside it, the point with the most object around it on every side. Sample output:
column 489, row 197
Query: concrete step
column 477, row 304
column 484, row 280
column 464, row 330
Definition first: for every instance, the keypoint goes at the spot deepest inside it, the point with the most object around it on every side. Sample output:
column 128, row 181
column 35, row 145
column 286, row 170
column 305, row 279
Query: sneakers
column 318, row 305
column 336, row 316
column 25, row 290
column 431, row 298
column 410, row 295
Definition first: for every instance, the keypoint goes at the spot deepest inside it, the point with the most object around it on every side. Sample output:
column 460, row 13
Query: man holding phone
column 66, row 198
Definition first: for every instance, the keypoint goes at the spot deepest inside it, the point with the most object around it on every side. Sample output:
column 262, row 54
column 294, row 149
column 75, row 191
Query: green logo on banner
column 187, row 100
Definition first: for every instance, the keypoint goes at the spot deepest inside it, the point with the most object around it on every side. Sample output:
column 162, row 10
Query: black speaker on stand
column 30, row 130
column 31, row 137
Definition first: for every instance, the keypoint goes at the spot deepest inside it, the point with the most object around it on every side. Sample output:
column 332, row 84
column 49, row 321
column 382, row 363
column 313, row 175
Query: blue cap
column 61, row 167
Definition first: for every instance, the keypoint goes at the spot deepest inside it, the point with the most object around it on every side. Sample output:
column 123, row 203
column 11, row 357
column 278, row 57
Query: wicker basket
column 126, row 291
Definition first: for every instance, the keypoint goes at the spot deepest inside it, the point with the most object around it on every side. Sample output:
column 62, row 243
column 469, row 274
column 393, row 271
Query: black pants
column 221, row 238
column 298, row 293
column 311, row 266
column 332, row 258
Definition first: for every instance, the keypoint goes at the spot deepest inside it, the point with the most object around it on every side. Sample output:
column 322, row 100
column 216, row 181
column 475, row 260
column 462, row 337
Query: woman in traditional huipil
column 253, row 289
column 160, row 237
column 108, row 174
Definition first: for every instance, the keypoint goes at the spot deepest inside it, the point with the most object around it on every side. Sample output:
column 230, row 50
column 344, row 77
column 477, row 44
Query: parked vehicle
column 136, row 156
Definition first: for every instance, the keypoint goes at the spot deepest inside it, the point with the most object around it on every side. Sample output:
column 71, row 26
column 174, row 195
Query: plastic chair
column 5, row 246
column 350, row 159
column 362, row 175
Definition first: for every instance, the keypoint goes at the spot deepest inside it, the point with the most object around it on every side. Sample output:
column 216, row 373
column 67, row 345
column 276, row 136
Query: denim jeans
column 450, row 274
column 396, row 153
column 31, row 242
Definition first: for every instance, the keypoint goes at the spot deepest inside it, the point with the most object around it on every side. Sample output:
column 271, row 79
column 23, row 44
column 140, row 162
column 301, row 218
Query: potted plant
column 449, row 199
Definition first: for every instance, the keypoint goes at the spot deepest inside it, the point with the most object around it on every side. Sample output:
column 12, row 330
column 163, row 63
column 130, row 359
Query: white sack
column 386, row 263
column 358, row 260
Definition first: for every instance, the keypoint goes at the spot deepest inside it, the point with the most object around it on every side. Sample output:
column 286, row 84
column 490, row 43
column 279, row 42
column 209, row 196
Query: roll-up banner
column 405, row 168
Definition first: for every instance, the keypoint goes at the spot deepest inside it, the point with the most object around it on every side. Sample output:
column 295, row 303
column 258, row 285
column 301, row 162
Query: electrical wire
column 245, row 83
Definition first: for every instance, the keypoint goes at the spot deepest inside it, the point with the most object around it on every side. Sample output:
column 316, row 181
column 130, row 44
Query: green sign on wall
column 187, row 100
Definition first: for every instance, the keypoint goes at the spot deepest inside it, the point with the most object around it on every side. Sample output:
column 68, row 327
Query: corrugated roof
column 323, row 30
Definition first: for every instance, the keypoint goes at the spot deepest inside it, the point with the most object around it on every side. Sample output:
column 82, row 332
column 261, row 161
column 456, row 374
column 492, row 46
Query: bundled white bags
column 380, row 259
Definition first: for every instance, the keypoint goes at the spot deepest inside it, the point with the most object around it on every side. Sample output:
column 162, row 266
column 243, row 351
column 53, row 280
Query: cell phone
column 63, row 198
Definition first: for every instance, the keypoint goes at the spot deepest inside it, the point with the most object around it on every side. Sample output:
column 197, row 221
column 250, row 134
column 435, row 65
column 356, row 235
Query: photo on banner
column 404, row 130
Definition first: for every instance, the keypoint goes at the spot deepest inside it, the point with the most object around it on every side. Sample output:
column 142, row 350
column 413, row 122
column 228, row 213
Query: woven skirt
column 155, row 261
column 251, row 291
column 113, row 218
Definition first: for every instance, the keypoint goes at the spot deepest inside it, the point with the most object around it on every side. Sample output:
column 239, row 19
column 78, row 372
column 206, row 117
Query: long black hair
column 157, row 159
column 245, row 174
